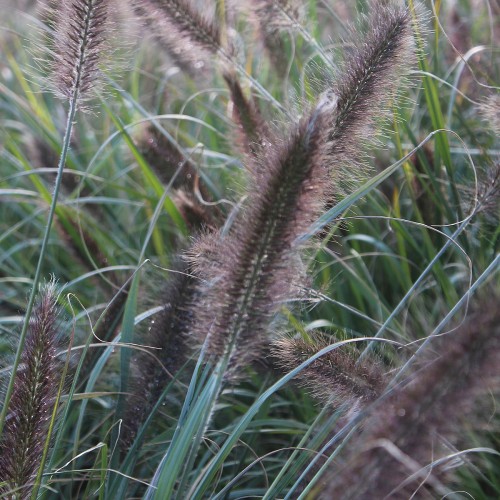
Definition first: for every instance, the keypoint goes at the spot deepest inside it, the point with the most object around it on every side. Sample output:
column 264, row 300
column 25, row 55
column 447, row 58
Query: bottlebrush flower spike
column 256, row 258
column 32, row 402
column 367, row 81
column 182, row 174
column 184, row 31
column 335, row 378
column 167, row 160
column 80, row 29
column 253, row 130
column 389, row 458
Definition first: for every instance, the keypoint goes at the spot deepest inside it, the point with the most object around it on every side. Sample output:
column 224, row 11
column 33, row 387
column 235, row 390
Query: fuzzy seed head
column 190, row 36
column 253, row 131
column 256, row 258
column 77, row 45
column 367, row 82
column 335, row 378
column 33, row 397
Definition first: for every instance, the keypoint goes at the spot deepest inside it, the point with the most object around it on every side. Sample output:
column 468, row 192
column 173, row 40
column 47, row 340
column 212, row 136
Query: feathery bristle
column 185, row 32
column 484, row 197
column 489, row 191
column 402, row 436
column 254, row 259
column 33, row 398
column 490, row 111
column 335, row 378
column 79, row 41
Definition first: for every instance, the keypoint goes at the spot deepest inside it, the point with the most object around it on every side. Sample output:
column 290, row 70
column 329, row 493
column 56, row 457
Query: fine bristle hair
column 77, row 45
column 167, row 336
column 484, row 197
column 367, row 81
column 33, row 398
column 189, row 35
column 255, row 260
column 205, row 255
column 393, row 456
column 489, row 190
column 490, row 112
column 335, row 378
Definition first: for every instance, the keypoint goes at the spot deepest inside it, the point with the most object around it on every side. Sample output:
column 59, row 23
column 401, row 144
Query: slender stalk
column 41, row 258
column 75, row 50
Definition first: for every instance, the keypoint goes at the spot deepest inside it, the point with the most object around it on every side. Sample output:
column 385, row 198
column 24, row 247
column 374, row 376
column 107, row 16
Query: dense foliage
column 249, row 249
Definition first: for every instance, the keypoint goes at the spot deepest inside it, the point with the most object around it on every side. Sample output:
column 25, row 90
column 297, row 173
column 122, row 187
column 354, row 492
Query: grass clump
column 274, row 233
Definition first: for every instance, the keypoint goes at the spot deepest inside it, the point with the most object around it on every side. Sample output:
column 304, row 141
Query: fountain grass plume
column 335, row 378
column 255, row 259
column 187, row 34
column 288, row 189
column 193, row 35
column 367, row 82
column 78, row 44
column 32, row 402
column 392, row 456
column 182, row 174
column 169, row 164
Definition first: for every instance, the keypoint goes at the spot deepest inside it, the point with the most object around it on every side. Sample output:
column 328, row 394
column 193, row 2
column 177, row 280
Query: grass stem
column 41, row 258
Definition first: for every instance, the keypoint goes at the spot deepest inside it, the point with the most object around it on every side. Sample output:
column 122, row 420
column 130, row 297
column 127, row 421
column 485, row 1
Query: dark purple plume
column 33, row 398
